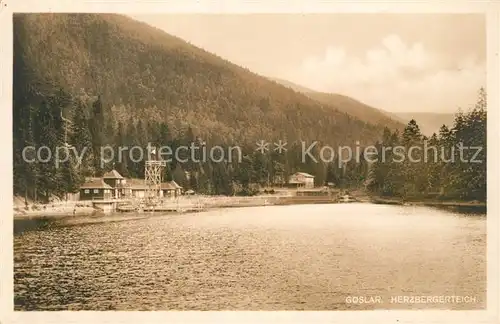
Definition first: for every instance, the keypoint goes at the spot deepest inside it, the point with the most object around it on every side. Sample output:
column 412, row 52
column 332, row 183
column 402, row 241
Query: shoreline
column 475, row 207
column 198, row 204
column 425, row 202
column 55, row 213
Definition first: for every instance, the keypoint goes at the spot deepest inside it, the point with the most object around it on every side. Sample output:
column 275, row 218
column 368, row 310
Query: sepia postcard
column 298, row 162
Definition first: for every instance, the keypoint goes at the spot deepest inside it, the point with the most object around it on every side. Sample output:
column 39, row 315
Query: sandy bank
column 52, row 210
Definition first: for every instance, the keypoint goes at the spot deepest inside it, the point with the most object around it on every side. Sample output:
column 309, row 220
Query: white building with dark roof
column 301, row 180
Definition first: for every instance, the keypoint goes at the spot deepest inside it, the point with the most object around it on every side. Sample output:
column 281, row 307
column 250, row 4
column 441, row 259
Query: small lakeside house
column 170, row 189
column 96, row 189
column 137, row 188
column 113, row 186
column 301, row 180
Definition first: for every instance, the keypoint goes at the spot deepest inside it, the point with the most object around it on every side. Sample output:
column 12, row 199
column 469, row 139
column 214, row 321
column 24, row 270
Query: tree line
column 157, row 88
column 89, row 125
column 445, row 173
column 452, row 167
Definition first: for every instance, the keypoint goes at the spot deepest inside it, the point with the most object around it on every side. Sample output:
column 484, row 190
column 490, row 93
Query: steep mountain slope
column 429, row 122
column 358, row 109
column 293, row 86
column 124, row 83
column 348, row 105
column 142, row 72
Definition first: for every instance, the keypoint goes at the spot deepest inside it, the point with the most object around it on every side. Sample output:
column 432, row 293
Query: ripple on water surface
column 308, row 257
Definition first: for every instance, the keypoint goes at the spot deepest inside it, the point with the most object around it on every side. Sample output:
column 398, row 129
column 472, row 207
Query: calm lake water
column 301, row 257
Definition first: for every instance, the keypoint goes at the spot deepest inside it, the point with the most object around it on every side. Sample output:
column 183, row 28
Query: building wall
column 124, row 192
column 306, row 182
column 95, row 194
column 138, row 193
column 117, row 193
column 295, row 178
column 309, row 182
column 141, row 193
column 72, row 196
column 170, row 193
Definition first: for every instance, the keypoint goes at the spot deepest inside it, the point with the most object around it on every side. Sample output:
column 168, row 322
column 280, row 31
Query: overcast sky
column 396, row 62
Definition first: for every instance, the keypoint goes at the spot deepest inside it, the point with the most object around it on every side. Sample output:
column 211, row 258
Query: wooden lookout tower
column 153, row 175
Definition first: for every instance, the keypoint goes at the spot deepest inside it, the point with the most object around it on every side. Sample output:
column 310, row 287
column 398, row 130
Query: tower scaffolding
column 153, row 178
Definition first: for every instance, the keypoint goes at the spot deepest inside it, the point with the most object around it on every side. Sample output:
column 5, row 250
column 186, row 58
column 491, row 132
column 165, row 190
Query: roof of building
column 136, row 184
column 89, row 179
column 95, row 184
column 113, row 174
column 167, row 186
column 170, row 185
column 307, row 175
column 175, row 184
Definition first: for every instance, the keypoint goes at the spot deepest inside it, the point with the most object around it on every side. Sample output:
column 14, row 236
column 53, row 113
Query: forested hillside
column 358, row 109
column 448, row 165
column 350, row 106
column 151, row 87
column 123, row 83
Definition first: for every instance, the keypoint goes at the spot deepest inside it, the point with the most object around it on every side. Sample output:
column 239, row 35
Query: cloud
column 396, row 76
